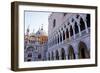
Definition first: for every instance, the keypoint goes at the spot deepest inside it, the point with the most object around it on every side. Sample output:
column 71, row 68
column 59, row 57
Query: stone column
column 56, row 39
column 66, row 57
column 62, row 36
column 69, row 34
column 65, row 35
column 60, row 55
column 76, row 55
column 86, row 28
column 79, row 29
column 54, row 56
column 73, row 31
column 50, row 56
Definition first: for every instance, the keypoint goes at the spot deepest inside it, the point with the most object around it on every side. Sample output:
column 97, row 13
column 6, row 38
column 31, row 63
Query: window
column 30, row 48
column 30, row 55
column 54, row 23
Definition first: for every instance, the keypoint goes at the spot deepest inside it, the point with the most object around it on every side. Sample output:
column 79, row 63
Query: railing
column 72, row 37
column 83, row 33
column 89, row 30
column 77, row 35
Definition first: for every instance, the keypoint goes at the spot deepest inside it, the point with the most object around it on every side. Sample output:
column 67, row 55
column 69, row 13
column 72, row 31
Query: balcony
column 68, row 40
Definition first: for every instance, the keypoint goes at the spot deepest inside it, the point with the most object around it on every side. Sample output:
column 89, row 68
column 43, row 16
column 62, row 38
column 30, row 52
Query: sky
column 35, row 19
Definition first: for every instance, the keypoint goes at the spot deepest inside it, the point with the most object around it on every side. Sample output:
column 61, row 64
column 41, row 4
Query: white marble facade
column 68, row 36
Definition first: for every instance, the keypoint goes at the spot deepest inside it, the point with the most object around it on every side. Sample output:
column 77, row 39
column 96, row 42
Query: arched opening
column 39, row 56
column 29, row 60
column 52, row 56
column 88, row 20
column 83, row 51
column 54, row 42
column 63, row 35
column 63, row 55
column 30, row 48
column 77, row 16
column 64, row 14
column 72, row 19
column 67, row 34
column 71, row 31
column 82, row 24
column 48, row 56
column 54, row 23
column 76, row 28
column 71, row 54
column 60, row 37
column 57, row 55
column 30, row 55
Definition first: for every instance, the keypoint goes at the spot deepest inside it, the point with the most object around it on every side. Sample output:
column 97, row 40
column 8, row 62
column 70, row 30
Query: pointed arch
column 71, row 54
column 63, row 55
column 60, row 37
column 76, row 28
column 63, row 35
column 82, row 24
column 71, row 31
column 54, row 23
column 52, row 55
column 39, row 56
column 48, row 56
column 29, row 60
column 30, row 48
column 57, row 55
column 29, row 55
column 67, row 33
column 83, row 51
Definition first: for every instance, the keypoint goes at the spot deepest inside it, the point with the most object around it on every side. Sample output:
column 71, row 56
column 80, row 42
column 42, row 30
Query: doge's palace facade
column 68, row 36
